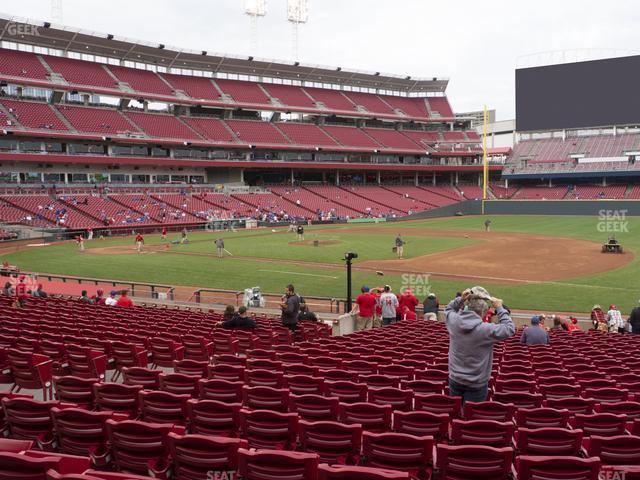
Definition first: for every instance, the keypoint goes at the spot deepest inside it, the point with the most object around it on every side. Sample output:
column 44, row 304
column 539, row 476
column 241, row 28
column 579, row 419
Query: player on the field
column 164, row 233
column 300, row 232
column 184, row 236
column 487, row 225
column 220, row 247
column 400, row 246
column 139, row 242
column 80, row 242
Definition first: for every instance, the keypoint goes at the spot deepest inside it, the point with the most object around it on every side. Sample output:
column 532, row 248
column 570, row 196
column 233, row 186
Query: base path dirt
column 503, row 257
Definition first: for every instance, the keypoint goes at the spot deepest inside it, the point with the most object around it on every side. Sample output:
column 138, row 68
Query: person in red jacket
column 164, row 233
column 139, row 242
column 408, row 299
column 21, row 291
column 124, row 300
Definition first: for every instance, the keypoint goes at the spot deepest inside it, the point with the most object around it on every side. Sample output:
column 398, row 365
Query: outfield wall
column 594, row 208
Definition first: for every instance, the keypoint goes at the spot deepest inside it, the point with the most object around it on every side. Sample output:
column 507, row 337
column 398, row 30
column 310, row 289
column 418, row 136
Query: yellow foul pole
column 485, row 169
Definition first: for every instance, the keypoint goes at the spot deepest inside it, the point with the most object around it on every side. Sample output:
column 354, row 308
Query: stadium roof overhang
column 67, row 39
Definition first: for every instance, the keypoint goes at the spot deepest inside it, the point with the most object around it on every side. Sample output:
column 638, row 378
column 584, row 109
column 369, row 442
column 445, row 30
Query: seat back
column 211, row 417
column 314, row 407
column 473, row 462
column 274, row 465
column 221, row 390
column 335, row 443
column 148, row 378
column 135, row 444
column 542, row 417
column 616, row 450
column 79, row 432
column 339, row 472
column 548, row 441
column 194, row 456
column 75, row 390
column 482, row 432
column 116, row 397
column 398, row 451
column 269, row 429
column 179, row 383
column 163, row 407
column 422, row 424
column 565, row 468
column 372, row 417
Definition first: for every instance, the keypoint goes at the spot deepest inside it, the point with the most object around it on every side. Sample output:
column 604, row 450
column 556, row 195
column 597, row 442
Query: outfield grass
column 621, row 286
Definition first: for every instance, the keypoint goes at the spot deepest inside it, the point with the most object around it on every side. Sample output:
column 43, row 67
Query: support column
column 604, row 181
column 324, row 176
column 456, row 178
column 378, row 178
column 337, row 178
column 415, row 179
column 242, row 175
column 434, row 178
column 293, row 180
column 506, row 183
column 550, row 183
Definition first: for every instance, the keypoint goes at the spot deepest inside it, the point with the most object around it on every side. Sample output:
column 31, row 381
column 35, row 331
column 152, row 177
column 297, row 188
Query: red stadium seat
column 616, row 450
column 600, row 424
column 473, row 462
column 397, row 398
column 347, row 392
column 117, row 398
column 314, row 407
column 80, row 432
column 192, row 367
column 372, row 417
column 196, row 456
column 164, row 352
column 211, row 417
column 162, row 407
column 542, row 417
column 569, row 468
column 435, row 403
column 333, row 442
column 422, row 424
column 273, row 465
column 179, row 383
column 220, row 390
column 489, row 410
column 398, row 451
column 31, row 371
column 76, row 390
column 481, row 432
column 266, row 398
column 269, row 429
column 304, row 384
column 548, row 441
column 340, row 472
column 145, row 377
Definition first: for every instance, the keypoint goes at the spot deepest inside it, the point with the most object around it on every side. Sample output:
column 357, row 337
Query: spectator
column 389, row 303
column 84, row 298
column 597, row 318
column 634, row 320
column 21, row 291
column 98, row 298
column 573, row 325
column 431, row 307
column 471, row 342
column 290, row 308
column 306, row 315
column 124, row 300
column 535, row 334
column 111, row 301
column 558, row 323
column 39, row 292
column 377, row 312
column 407, row 314
column 8, row 289
column 364, row 308
column 615, row 320
column 240, row 320
column 408, row 299
column 229, row 313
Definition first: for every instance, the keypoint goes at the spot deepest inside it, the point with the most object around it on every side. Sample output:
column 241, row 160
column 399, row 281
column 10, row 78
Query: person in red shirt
column 408, row 314
column 139, row 242
column 21, row 291
column 124, row 300
column 80, row 242
column 377, row 317
column 408, row 299
column 365, row 308
column 164, row 233
column 99, row 298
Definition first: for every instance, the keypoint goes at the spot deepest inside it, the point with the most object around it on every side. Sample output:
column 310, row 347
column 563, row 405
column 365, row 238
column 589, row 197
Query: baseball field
column 550, row 263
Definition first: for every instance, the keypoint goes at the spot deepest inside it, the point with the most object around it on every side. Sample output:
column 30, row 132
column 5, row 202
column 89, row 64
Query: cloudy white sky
column 477, row 45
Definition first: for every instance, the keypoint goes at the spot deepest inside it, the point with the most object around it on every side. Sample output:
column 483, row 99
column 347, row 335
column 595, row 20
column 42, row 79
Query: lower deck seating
column 305, row 406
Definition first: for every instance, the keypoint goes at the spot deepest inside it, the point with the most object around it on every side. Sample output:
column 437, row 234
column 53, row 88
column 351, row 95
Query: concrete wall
column 535, row 207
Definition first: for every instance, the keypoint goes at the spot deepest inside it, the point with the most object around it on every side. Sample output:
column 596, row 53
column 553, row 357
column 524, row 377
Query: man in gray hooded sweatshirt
column 471, row 342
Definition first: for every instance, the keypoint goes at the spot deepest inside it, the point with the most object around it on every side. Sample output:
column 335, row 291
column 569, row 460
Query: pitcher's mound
column 311, row 243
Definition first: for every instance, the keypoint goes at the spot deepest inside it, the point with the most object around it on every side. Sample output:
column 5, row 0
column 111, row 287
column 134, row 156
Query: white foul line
column 297, row 273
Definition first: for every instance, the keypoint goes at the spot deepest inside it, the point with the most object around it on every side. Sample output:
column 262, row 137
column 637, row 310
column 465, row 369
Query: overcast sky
column 477, row 45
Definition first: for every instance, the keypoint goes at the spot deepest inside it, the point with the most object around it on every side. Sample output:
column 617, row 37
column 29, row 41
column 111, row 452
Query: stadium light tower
column 56, row 11
column 297, row 13
column 254, row 9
